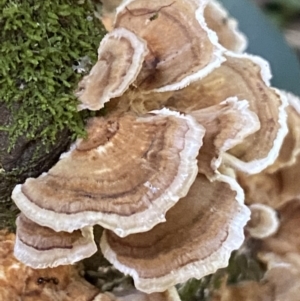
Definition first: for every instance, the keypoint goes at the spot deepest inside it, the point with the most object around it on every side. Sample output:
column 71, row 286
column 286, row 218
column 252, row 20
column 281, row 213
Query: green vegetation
column 283, row 11
column 41, row 42
column 45, row 48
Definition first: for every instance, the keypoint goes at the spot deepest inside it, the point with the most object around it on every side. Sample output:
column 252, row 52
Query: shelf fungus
column 181, row 47
column 278, row 183
column 264, row 221
column 125, row 176
column 246, row 77
column 20, row 282
column 226, row 27
column 40, row 247
column 199, row 234
column 226, row 125
column 63, row 283
column 290, row 148
column 120, row 57
column 284, row 245
column 186, row 117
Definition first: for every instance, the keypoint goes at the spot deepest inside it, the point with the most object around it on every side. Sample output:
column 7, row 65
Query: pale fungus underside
column 182, row 111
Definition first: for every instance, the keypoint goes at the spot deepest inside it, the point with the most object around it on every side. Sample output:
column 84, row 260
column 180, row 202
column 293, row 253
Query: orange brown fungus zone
column 127, row 165
column 197, row 238
column 178, row 45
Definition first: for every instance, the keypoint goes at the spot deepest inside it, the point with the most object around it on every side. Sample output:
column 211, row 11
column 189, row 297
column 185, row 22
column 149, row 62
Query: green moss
column 41, row 41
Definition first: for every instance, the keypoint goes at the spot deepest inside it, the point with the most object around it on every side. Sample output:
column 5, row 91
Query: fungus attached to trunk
column 199, row 234
column 125, row 176
column 120, row 57
column 181, row 47
column 41, row 247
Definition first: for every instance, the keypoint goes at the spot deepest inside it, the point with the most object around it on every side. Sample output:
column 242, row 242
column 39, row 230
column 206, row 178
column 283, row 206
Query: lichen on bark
column 45, row 46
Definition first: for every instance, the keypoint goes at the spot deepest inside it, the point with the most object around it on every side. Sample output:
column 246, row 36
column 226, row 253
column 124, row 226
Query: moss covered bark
column 45, row 46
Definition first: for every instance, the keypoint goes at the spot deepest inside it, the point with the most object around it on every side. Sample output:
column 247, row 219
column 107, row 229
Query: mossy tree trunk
column 45, row 48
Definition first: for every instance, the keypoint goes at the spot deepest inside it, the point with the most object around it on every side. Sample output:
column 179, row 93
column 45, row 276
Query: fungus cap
column 226, row 125
column 40, row 247
column 290, row 148
column 264, row 221
column 20, row 282
column 285, row 243
column 226, row 27
column 125, row 176
column 246, row 77
column 120, row 57
column 181, row 47
column 199, row 234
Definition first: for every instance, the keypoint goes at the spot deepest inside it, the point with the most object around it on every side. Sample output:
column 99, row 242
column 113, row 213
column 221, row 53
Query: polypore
column 125, row 176
column 20, row 282
column 264, row 221
column 226, row 125
column 225, row 26
column 277, row 184
column 246, row 77
column 199, row 234
column 41, row 247
column 136, row 173
column 64, row 283
column 120, row 58
column 181, row 47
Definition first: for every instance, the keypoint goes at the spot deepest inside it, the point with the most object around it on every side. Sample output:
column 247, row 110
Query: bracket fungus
column 291, row 145
column 181, row 47
column 246, row 77
column 226, row 125
column 277, row 184
column 285, row 243
column 64, row 283
column 264, row 221
column 20, row 282
column 181, row 112
column 199, row 234
column 41, row 247
column 226, row 27
column 120, row 57
column 125, row 177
